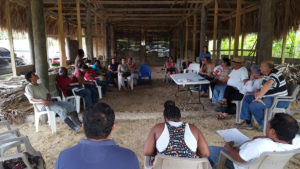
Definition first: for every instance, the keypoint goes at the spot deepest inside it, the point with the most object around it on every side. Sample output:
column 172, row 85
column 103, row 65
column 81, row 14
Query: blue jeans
column 112, row 76
column 204, row 87
column 215, row 155
column 256, row 109
column 86, row 94
column 61, row 108
column 218, row 93
column 94, row 92
column 103, row 86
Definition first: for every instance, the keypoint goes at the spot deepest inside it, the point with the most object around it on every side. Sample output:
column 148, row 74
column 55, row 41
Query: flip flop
column 221, row 116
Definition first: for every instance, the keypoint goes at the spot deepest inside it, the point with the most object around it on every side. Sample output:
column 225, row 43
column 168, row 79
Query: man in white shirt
column 235, row 82
column 280, row 136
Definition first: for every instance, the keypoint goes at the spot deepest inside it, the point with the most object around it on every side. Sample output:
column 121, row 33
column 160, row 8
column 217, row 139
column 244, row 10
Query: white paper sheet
column 233, row 135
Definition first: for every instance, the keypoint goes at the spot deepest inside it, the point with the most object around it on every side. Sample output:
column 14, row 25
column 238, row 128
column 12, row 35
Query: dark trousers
column 231, row 94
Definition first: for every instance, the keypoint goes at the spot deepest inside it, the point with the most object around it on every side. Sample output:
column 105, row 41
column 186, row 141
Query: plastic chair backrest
column 194, row 67
column 273, row 160
column 145, row 71
column 167, row 162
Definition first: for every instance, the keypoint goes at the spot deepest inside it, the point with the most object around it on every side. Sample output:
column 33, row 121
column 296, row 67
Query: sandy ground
column 137, row 112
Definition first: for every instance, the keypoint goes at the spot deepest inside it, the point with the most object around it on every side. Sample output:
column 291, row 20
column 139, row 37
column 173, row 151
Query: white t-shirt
column 163, row 141
column 237, row 77
column 252, row 85
column 252, row 150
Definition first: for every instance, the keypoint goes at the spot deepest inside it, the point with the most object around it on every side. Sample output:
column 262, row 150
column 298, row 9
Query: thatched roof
column 154, row 15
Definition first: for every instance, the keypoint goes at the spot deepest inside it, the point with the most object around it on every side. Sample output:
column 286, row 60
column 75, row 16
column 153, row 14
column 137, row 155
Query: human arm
column 265, row 88
column 234, row 152
column 119, row 69
column 150, row 144
column 202, row 146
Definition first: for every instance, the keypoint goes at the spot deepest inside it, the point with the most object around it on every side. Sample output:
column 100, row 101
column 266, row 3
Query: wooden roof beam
column 147, row 2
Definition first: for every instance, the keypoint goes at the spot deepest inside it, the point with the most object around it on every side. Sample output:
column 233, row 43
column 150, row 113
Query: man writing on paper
column 280, row 136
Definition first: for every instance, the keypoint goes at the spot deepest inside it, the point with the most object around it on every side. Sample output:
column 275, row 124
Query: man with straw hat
column 235, row 82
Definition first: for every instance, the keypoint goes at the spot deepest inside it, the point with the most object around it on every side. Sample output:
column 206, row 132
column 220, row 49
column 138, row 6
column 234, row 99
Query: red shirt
column 64, row 82
column 90, row 75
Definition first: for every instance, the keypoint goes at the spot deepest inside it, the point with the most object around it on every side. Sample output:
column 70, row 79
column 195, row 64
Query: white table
column 187, row 80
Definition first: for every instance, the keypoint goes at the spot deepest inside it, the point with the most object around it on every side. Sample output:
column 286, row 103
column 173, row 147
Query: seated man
column 280, row 136
column 90, row 75
column 235, row 82
column 273, row 85
column 66, row 85
column 79, row 77
column 98, row 150
column 39, row 93
column 174, row 137
column 113, row 71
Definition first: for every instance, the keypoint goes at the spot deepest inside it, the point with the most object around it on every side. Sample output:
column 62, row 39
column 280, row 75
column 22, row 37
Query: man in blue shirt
column 98, row 151
column 113, row 71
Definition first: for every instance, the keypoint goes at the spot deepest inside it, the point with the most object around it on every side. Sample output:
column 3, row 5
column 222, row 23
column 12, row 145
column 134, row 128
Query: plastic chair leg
column 36, row 121
column 100, row 91
column 77, row 100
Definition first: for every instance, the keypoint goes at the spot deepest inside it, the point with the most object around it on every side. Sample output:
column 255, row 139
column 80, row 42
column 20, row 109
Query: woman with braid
column 174, row 137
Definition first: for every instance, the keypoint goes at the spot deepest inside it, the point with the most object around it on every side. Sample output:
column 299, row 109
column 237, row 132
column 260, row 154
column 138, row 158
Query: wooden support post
column 203, row 28
column 194, row 37
column 229, row 46
column 40, row 42
column 266, row 29
column 79, row 31
column 96, row 33
column 10, row 38
column 103, row 33
column 112, row 42
column 61, row 32
column 237, row 27
column 215, row 33
column 30, row 33
column 219, row 41
column 285, row 31
column 243, row 35
column 89, row 32
column 186, row 37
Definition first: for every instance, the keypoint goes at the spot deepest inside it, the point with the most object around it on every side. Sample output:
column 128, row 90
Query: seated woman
column 66, row 84
column 170, row 66
column 132, row 68
column 174, row 137
column 206, row 71
column 124, row 71
column 220, row 83
column 185, row 64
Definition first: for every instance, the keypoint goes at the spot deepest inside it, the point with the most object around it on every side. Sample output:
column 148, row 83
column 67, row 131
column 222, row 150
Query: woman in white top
column 255, row 81
column 174, row 137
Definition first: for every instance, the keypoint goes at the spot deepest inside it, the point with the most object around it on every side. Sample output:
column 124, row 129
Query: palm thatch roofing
column 154, row 15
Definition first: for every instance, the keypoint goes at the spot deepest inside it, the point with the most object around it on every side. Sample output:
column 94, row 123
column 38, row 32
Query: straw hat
column 238, row 60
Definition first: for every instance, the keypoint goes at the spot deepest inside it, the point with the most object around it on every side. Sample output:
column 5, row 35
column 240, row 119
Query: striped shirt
column 279, row 87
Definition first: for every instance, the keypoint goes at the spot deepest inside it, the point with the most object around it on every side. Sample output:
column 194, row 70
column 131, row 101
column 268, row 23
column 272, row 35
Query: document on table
column 233, row 135
column 182, row 80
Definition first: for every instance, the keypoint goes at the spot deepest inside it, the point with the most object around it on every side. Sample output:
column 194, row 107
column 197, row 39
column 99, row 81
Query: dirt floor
column 137, row 112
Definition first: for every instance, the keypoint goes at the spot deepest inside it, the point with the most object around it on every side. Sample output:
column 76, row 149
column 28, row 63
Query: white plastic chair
column 121, row 80
column 270, row 112
column 168, row 162
column 99, row 89
column 270, row 160
column 77, row 100
column 38, row 112
column 28, row 148
column 193, row 68
column 9, row 134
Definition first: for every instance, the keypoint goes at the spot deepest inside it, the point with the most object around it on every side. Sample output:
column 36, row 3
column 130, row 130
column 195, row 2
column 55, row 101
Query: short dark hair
column 80, row 52
column 171, row 111
column 97, row 61
column 85, row 67
column 98, row 121
column 226, row 60
column 28, row 75
column 285, row 126
column 208, row 59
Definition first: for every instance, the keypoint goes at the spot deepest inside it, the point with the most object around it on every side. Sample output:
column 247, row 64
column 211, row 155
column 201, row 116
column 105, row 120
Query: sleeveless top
column 177, row 145
column 124, row 68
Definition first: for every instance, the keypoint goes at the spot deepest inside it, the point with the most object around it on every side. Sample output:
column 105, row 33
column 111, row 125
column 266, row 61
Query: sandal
column 221, row 116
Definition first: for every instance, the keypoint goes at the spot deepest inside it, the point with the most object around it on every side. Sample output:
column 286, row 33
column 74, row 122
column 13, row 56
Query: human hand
column 257, row 99
column 229, row 145
column 45, row 102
